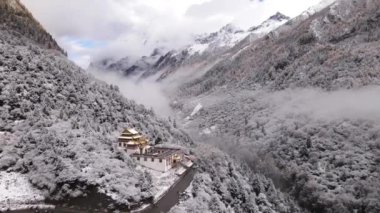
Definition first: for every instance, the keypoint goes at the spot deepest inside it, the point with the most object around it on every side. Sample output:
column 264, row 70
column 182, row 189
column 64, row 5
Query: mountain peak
column 279, row 17
column 15, row 18
column 270, row 24
column 229, row 28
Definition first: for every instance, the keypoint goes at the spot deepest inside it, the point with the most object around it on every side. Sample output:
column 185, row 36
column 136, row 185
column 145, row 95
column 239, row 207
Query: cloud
column 247, row 13
column 135, row 27
column 87, row 19
column 217, row 7
column 344, row 104
column 148, row 93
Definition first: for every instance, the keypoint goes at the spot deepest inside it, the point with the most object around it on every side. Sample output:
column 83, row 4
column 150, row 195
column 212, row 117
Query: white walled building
column 160, row 159
column 156, row 158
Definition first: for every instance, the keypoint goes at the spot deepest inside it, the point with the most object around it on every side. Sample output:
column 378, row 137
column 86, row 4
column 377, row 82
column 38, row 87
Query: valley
column 280, row 117
column 295, row 105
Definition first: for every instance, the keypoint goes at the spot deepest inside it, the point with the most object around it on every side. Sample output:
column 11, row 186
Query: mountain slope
column 19, row 22
column 58, row 125
column 298, row 104
column 300, row 107
column 335, row 48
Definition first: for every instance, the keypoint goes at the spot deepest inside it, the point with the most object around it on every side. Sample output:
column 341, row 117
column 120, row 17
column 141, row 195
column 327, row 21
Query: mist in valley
column 286, row 122
column 354, row 104
column 148, row 92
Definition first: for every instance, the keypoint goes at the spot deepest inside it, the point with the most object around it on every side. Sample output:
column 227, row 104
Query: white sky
column 89, row 29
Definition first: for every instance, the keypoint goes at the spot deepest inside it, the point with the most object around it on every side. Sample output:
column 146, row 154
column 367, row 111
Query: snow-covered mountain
column 58, row 125
column 225, row 38
column 128, row 67
column 302, row 102
column 204, row 48
column 298, row 104
column 269, row 25
column 57, row 129
column 297, row 109
column 229, row 35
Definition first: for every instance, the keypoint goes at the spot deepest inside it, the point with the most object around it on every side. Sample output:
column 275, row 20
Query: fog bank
column 344, row 104
column 148, row 92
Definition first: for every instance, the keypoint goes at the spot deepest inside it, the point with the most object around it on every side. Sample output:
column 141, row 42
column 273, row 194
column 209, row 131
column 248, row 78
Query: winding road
column 171, row 197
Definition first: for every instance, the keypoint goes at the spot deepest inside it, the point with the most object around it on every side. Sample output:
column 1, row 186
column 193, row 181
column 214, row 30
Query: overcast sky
column 89, row 29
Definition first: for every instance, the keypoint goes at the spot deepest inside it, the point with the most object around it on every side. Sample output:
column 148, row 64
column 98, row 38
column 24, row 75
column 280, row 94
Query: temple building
column 156, row 158
column 133, row 142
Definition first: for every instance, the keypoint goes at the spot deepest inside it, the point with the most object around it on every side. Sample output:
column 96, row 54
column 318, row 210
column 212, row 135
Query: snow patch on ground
column 18, row 121
column 196, row 109
column 188, row 163
column 198, row 48
column 180, row 171
column 241, row 50
column 236, row 38
column 210, row 130
column 314, row 9
column 269, row 26
column 161, row 181
column 17, row 193
column 207, row 131
column 141, row 208
column 229, row 40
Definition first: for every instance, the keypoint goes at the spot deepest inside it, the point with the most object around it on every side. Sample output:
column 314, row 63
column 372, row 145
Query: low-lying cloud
column 344, row 104
column 148, row 93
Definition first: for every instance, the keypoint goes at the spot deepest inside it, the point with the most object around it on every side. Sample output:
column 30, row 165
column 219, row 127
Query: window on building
column 145, row 159
column 119, row 144
column 138, row 158
column 160, row 160
column 152, row 159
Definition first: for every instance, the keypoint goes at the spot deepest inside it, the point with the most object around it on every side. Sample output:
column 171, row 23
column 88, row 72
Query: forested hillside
column 300, row 106
column 58, row 124
column 285, row 122
column 333, row 49
column 222, row 184
column 17, row 20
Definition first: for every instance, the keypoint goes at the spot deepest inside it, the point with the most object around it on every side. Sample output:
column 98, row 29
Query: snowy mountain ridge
column 269, row 25
column 226, row 37
column 202, row 48
column 317, row 8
